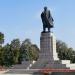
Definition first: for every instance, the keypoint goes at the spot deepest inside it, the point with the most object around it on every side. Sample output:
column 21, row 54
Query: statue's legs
column 48, row 29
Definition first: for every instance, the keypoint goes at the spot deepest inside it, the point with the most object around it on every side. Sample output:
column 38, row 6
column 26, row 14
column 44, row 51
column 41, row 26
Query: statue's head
column 45, row 8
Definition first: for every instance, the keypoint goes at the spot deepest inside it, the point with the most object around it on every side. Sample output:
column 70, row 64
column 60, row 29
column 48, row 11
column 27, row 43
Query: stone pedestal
column 48, row 47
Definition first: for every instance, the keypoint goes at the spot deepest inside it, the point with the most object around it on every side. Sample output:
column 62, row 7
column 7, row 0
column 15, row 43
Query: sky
column 21, row 19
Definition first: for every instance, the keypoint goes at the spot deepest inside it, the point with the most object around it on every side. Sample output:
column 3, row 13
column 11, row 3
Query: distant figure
column 47, row 19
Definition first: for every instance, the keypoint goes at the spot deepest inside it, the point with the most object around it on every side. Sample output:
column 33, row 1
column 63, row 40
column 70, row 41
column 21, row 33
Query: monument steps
column 38, row 65
column 41, row 64
column 24, row 65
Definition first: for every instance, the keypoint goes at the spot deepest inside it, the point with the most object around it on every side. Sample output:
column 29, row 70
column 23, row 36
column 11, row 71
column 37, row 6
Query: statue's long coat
column 47, row 19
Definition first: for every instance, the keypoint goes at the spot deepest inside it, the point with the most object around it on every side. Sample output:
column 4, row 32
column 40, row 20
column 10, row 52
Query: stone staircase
column 24, row 65
column 41, row 64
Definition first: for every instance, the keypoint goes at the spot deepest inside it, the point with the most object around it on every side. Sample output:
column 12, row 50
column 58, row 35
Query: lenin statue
column 47, row 19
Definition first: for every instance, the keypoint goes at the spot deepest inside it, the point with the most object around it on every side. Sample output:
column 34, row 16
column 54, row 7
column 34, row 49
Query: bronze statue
column 47, row 19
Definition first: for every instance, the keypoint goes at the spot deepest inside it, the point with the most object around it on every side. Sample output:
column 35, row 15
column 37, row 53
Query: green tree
column 64, row 52
column 7, row 55
column 29, row 51
column 25, row 47
column 34, row 52
column 15, row 47
column 1, row 49
column 61, row 49
column 1, row 56
column 1, row 38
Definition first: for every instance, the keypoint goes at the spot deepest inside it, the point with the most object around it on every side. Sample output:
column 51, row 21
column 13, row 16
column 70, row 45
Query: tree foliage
column 15, row 52
column 1, row 56
column 64, row 52
column 1, row 38
column 15, row 48
column 7, row 55
column 28, row 50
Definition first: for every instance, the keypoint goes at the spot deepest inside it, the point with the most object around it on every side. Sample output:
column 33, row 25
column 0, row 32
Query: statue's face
column 45, row 8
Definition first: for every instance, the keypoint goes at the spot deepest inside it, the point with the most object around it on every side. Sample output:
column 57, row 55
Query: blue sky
column 21, row 19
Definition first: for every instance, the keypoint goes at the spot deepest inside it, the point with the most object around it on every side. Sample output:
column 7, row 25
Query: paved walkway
column 39, row 72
